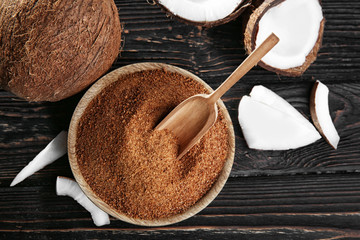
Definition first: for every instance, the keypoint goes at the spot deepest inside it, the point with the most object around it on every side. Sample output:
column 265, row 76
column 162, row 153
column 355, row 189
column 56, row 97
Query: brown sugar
column 133, row 168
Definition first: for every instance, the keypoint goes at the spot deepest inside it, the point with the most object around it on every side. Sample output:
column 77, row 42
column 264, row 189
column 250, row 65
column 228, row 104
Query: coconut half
column 298, row 23
column 206, row 13
column 320, row 113
column 268, row 122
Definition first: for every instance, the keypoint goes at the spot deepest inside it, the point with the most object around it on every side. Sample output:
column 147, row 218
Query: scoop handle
column 245, row 66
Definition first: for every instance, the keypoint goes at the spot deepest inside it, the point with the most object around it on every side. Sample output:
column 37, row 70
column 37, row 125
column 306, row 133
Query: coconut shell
column 314, row 116
column 232, row 16
column 251, row 31
column 53, row 49
column 313, row 110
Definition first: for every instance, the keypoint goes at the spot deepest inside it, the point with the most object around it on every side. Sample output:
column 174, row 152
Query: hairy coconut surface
column 297, row 49
column 205, row 13
column 52, row 49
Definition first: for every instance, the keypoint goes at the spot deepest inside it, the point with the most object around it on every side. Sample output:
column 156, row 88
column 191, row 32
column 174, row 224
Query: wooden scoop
column 193, row 117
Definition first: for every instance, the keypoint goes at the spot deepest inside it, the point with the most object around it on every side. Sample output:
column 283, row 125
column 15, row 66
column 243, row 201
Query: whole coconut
column 52, row 49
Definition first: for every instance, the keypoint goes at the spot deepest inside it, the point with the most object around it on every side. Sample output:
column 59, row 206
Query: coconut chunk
column 266, row 128
column 268, row 97
column 298, row 23
column 204, row 12
column 269, row 122
column 68, row 187
column 320, row 113
column 53, row 151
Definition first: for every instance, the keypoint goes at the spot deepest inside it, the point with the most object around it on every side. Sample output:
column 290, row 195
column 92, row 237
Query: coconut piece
column 53, row 151
column 273, row 124
column 300, row 26
column 206, row 13
column 320, row 113
column 268, row 97
column 68, row 187
column 50, row 50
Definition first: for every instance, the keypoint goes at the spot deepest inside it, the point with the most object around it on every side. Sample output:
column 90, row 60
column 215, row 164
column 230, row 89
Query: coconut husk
column 52, row 49
column 251, row 31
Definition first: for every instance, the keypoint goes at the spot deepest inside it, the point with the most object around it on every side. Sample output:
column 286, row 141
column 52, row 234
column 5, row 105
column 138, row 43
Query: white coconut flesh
column 268, row 97
column 297, row 24
column 201, row 10
column 68, row 187
column 322, row 115
column 273, row 125
column 52, row 152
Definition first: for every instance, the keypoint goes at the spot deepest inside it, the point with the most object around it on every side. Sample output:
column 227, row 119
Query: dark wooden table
column 307, row 193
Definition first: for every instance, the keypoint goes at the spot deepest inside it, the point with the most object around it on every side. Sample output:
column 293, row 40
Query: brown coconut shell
column 232, row 16
column 313, row 110
column 52, row 49
column 252, row 28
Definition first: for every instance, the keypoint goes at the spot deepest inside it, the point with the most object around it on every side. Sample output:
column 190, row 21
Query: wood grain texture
column 311, row 206
column 307, row 193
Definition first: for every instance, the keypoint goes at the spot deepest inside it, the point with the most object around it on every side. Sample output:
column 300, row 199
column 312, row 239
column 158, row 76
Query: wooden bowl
column 80, row 109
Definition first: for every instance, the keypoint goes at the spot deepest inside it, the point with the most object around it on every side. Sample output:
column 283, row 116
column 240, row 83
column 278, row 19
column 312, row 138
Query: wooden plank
column 270, row 203
column 317, row 157
column 270, row 233
column 313, row 205
column 28, row 127
column 215, row 53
